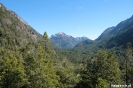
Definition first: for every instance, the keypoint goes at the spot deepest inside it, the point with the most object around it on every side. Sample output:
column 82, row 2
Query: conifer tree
column 12, row 74
column 46, row 42
column 128, row 64
column 103, row 67
column 46, row 76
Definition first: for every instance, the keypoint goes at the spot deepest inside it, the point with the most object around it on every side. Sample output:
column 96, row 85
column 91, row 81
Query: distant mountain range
column 17, row 31
column 110, row 36
column 66, row 41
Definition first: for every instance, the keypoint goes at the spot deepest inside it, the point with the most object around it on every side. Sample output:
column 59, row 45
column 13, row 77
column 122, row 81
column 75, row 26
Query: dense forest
column 31, row 60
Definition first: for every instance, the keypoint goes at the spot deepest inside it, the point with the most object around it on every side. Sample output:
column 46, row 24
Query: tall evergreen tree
column 103, row 66
column 46, row 42
column 12, row 73
column 46, row 75
column 128, row 65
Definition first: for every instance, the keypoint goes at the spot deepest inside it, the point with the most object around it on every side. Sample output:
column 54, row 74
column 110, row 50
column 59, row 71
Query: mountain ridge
column 16, row 26
column 105, row 33
column 112, row 37
column 122, row 26
column 16, row 29
column 66, row 41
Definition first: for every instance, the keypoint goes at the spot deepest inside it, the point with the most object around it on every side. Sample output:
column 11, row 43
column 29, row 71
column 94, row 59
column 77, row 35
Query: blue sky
column 74, row 17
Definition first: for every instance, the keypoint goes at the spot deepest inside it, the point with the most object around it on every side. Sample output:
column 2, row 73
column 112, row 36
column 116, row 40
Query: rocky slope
column 14, row 30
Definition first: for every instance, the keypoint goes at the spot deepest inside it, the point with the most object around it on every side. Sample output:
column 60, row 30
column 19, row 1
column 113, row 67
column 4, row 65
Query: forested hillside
column 28, row 59
column 15, row 31
column 112, row 31
column 121, row 39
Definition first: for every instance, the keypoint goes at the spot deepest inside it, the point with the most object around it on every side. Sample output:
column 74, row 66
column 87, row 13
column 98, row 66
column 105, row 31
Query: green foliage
column 39, row 67
column 127, row 71
column 106, row 66
column 12, row 73
column 27, row 59
column 46, row 74
column 121, row 39
column 15, row 32
column 100, row 71
column 67, row 72
column 28, row 67
column 102, row 83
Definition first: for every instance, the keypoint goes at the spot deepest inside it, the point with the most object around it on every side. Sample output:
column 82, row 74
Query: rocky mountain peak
column 61, row 33
column 66, row 41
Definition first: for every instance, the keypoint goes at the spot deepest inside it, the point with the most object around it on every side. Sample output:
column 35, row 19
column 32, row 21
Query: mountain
column 112, row 31
column 111, row 37
column 105, row 34
column 121, row 39
column 84, row 44
column 81, row 38
column 65, row 41
column 15, row 30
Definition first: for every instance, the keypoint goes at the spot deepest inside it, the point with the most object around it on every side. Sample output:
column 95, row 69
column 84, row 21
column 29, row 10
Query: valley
column 31, row 60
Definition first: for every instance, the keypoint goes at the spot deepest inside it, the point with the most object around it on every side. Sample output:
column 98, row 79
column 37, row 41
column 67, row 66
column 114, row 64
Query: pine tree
column 46, row 42
column 39, row 67
column 12, row 74
column 102, row 83
column 103, row 66
column 46, row 75
column 128, row 64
